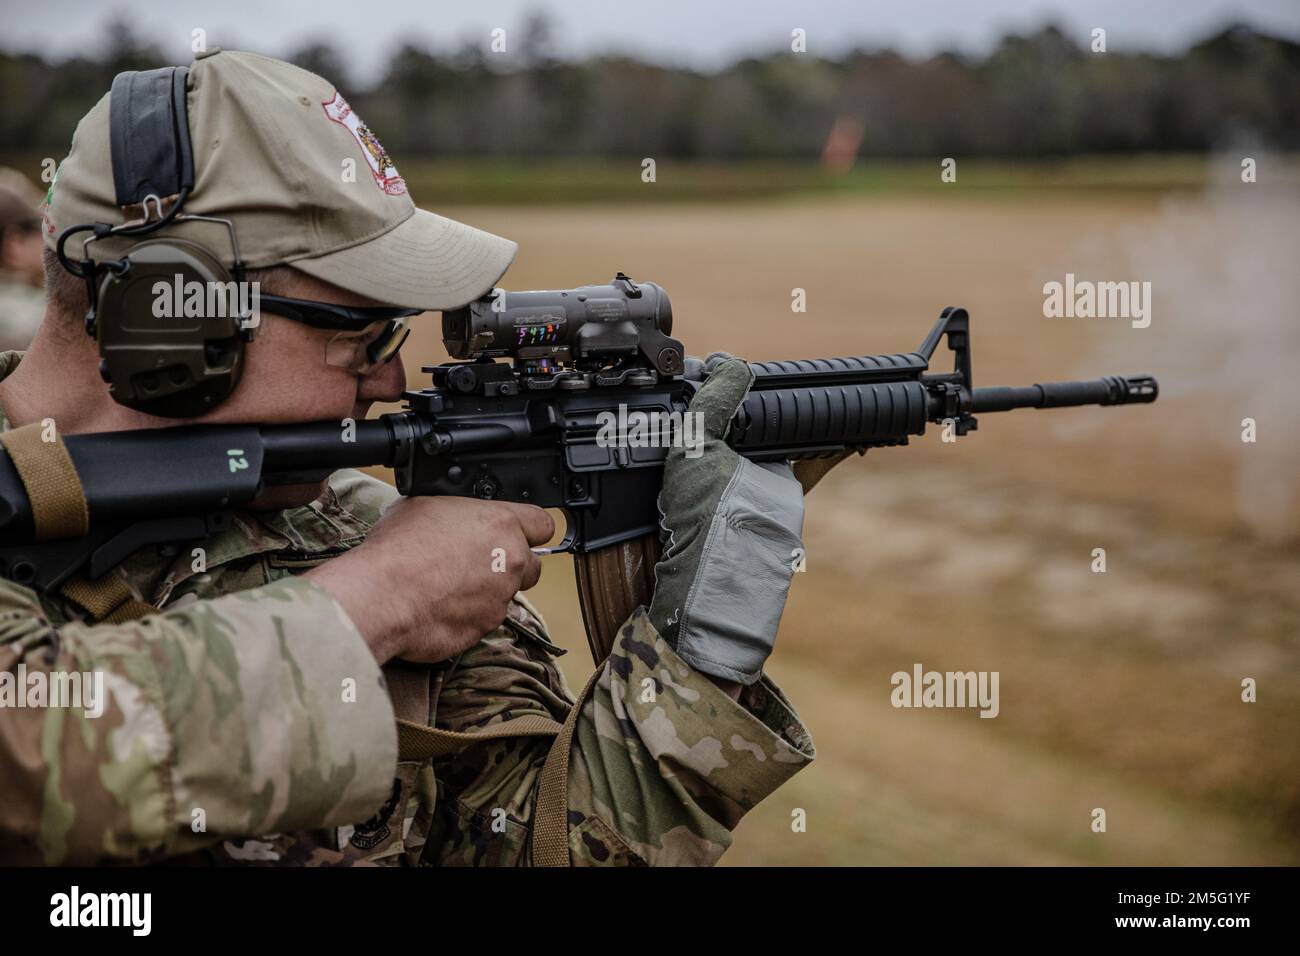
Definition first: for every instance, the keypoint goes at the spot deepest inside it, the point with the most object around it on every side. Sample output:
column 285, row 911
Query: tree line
column 1041, row 94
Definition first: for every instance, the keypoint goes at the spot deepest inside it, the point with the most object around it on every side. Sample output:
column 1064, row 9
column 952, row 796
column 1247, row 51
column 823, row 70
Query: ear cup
column 169, row 330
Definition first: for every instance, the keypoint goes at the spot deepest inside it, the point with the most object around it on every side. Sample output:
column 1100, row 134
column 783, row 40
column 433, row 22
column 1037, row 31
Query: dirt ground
column 1120, row 690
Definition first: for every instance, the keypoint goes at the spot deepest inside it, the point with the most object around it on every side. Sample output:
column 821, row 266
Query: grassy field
column 1118, row 690
column 558, row 181
column 567, row 181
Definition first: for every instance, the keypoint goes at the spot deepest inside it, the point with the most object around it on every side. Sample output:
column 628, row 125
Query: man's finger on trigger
column 537, row 525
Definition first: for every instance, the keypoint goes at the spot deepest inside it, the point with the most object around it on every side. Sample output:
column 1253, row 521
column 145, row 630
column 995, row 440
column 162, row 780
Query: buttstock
column 612, row 583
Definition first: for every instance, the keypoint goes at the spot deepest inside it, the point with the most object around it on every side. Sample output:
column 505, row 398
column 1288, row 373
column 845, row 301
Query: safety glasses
column 365, row 336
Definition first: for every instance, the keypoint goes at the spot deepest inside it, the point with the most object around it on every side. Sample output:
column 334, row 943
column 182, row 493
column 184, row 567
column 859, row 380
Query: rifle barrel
column 1111, row 390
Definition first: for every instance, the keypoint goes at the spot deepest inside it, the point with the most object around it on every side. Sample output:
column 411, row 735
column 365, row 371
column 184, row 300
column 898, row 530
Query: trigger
column 566, row 545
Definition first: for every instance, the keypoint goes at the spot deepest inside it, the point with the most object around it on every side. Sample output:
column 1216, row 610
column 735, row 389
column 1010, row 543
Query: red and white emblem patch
column 381, row 167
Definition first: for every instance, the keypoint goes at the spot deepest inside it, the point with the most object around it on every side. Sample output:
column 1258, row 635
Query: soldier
column 251, row 687
column 22, row 302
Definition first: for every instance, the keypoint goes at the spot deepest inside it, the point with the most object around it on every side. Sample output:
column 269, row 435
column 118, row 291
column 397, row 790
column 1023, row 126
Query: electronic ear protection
column 166, row 315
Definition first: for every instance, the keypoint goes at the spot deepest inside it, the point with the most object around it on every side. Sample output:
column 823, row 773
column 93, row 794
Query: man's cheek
column 331, row 393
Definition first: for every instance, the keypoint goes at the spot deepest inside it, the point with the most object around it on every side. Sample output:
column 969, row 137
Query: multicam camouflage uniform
column 232, row 704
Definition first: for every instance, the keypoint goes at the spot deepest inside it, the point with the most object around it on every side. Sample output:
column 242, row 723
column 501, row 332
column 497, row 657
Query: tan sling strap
column 409, row 689
column 421, row 742
column 108, row 600
column 551, row 817
column 59, row 507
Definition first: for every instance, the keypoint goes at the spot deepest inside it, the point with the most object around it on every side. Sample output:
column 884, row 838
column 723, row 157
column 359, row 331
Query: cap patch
column 381, row 167
column 49, row 201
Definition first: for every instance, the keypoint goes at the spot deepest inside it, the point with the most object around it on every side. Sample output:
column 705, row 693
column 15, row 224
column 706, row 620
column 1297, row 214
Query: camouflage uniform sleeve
column 663, row 766
column 234, row 716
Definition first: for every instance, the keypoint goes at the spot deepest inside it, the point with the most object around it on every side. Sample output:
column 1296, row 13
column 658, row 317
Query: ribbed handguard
column 808, row 421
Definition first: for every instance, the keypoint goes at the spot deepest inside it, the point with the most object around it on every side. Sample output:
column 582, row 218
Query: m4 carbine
column 536, row 429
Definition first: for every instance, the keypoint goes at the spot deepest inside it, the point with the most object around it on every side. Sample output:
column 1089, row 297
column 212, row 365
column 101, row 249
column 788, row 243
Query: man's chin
column 279, row 497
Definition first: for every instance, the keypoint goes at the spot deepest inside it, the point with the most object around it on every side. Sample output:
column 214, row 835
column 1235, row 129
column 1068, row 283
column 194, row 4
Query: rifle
column 534, row 429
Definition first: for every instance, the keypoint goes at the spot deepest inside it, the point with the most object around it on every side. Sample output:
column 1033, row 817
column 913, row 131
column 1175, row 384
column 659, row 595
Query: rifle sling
column 59, row 508
column 551, row 817
column 420, row 742
column 108, row 600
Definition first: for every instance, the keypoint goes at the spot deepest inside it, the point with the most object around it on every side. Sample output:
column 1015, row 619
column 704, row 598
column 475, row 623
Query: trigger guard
column 567, row 543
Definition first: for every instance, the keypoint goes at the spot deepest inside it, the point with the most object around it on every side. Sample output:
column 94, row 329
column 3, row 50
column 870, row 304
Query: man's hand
column 732, row 533
column 428, row 582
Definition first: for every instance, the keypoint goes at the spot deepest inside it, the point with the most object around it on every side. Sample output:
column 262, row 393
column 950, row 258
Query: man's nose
column 384, row 382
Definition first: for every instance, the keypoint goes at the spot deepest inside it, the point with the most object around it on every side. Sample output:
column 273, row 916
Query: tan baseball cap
column 279, row 152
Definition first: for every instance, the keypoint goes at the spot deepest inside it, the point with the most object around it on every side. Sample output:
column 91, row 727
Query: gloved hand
column 730, row 528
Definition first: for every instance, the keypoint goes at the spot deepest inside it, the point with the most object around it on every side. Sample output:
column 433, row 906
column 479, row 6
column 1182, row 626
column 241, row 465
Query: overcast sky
column 703, row 33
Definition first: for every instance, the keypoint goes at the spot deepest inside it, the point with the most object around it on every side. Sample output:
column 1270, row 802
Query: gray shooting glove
column 731, row 528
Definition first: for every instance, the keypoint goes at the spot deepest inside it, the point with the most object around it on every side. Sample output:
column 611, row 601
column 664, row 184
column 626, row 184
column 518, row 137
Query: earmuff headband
column 150, row 140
